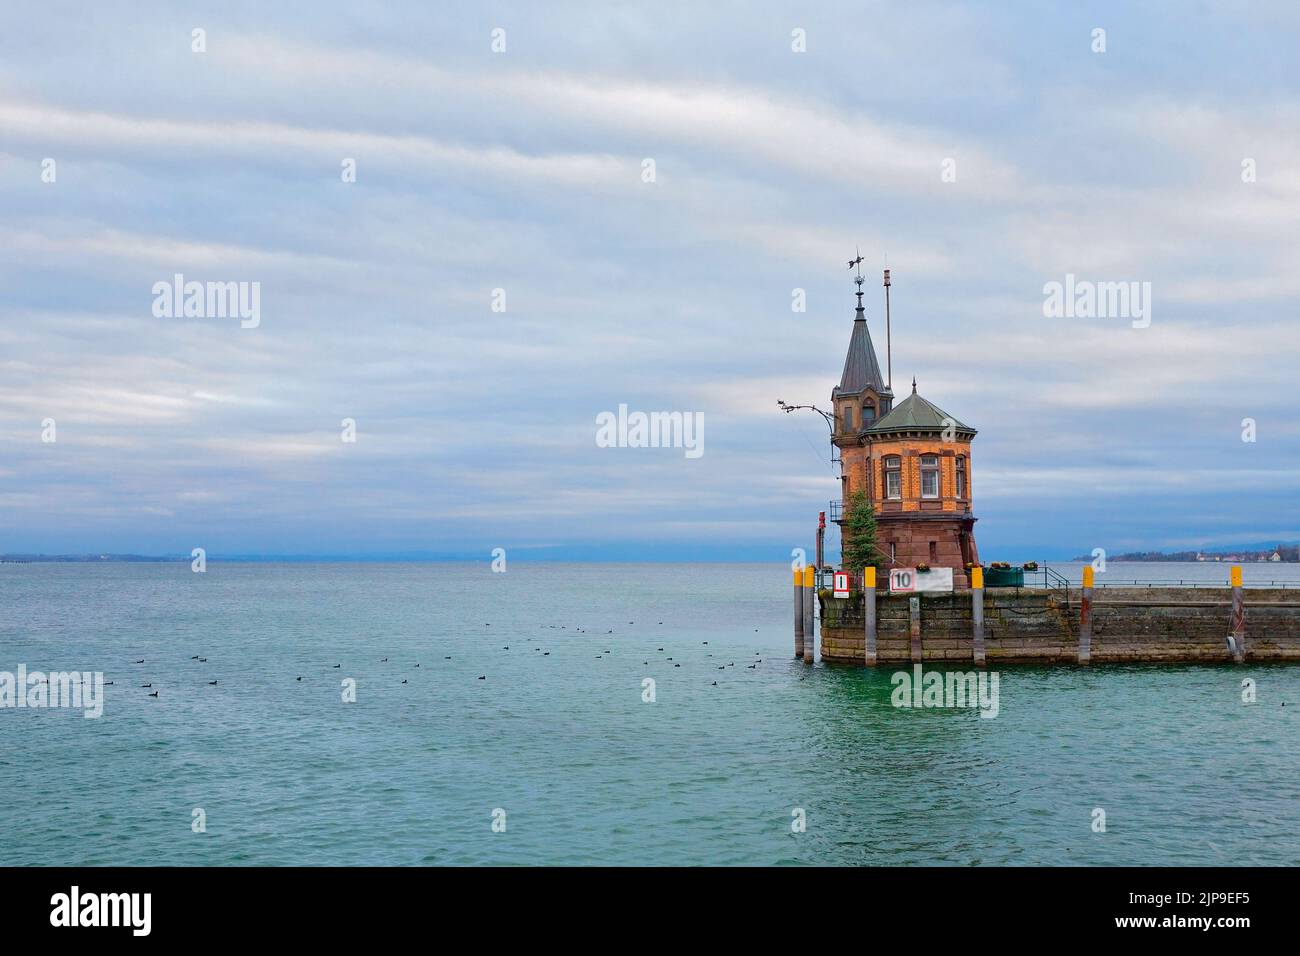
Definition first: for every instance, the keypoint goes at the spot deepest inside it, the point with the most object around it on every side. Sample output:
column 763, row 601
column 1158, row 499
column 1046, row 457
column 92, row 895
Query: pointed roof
column 861, row 369
column 916, row 414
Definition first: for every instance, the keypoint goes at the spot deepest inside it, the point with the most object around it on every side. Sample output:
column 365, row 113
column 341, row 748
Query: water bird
column 108, row 683
column 140, row 661
column 752, row 666
column 212, row 683
column 154, row 694
column 482, row 677
column 195, row 657
column 146, row 685
column 299, row 678
column 706, row 642
column 546, row 653
column 384, row 661
column 403, row 680
column 661, row 648
column 417, row 665
column 715, row 683
column 447, row 658
column 203, row 660
column 506, row 648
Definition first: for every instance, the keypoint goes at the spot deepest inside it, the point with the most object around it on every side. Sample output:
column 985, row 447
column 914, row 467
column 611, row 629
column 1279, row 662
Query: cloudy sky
column 523, row 171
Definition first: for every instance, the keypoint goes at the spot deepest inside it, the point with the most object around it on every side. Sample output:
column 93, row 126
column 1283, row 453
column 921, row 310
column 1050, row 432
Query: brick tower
column 913, row 459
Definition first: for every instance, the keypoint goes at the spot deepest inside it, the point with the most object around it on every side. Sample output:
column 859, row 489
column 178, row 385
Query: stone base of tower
column 941, row 541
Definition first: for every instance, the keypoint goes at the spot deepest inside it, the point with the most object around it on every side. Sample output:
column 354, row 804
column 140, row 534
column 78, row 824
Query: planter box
column 1004, row 577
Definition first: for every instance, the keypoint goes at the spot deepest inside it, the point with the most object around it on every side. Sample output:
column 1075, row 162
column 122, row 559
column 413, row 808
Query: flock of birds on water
column 577, row 630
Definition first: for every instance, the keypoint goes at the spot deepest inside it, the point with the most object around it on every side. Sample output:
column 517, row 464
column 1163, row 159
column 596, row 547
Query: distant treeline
column 82, row 558
column 1287, row 552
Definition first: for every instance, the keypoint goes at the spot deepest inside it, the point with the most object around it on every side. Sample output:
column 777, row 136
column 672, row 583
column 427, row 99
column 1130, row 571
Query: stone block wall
column 1024, row 625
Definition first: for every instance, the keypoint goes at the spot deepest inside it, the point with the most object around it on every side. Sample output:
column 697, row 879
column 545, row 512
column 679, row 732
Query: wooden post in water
column 977, row 613
column 1237, row 624
column 1085, row 618
column 869, row 614
column 914, row 608
column 798, row 613
column 809, row 619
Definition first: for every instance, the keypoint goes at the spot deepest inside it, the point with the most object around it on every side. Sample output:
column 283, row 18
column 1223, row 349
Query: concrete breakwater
column 1032, row 626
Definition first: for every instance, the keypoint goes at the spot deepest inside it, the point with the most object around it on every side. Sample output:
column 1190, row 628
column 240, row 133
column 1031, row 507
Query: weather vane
column 857, row 264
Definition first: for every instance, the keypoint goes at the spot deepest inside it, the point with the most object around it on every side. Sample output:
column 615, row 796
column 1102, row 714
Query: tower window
column 868, row 414
column 961, row 476
column 848, row 418
column 893, row 477
column 929, row 476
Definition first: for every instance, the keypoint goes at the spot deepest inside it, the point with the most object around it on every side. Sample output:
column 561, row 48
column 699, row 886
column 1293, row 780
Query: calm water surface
column 557, row 734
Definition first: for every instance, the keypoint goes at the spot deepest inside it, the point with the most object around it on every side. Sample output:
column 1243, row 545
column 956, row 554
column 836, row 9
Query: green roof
column 914, row 413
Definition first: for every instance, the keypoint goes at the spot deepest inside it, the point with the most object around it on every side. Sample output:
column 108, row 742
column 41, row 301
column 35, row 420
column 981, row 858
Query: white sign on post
column 902, row 580
column 912, row 581
column 841, row 584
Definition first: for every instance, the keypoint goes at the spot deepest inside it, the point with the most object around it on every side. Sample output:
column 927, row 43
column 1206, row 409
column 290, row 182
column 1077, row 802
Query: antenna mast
column 889, row 353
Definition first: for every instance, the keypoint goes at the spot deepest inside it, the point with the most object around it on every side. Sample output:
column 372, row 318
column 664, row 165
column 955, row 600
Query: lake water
column 558, row 736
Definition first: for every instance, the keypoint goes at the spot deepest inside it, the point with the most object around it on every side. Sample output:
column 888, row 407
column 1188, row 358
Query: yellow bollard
column 1085, row 617
column 798, row 614
column 869, row 615
column 809, row 618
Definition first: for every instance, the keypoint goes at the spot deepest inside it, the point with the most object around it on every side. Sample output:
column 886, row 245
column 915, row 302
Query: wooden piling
column 977, row 614
column 1085, row 617
column 809, row 618
column 1237, row 623
column 869, row 614
column 914, row 608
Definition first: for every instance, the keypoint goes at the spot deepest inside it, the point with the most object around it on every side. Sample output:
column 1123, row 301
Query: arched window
column 893, row 477
column 961, row 476
column 929, row 476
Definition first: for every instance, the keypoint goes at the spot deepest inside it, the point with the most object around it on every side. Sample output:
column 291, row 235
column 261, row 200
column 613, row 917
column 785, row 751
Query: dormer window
column 868, row 414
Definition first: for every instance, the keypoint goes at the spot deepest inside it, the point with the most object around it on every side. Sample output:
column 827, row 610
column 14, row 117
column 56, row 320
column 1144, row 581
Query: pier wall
column 1165, row 625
